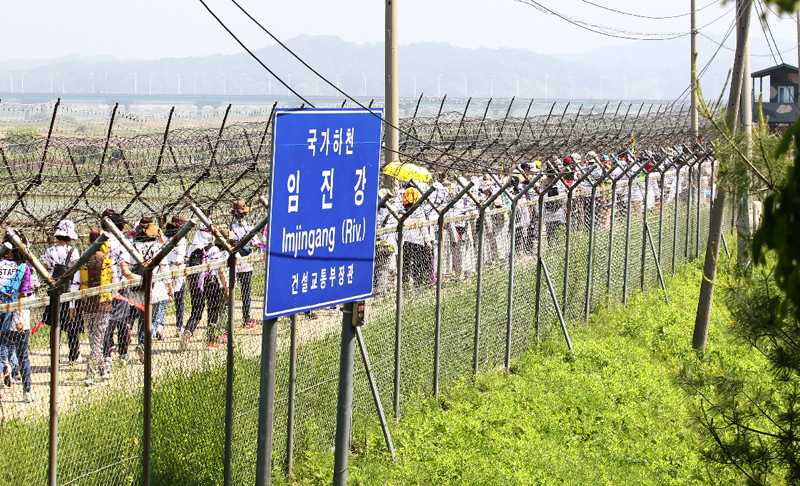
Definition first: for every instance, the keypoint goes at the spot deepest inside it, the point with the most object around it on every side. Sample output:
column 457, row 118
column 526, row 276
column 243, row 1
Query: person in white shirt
column 244, row 271
column 147, row 241
column 206, row 288
column 176, row 260
column 58, row 259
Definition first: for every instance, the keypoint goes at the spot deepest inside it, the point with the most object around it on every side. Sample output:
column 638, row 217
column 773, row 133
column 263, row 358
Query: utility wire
column 346, row 95
column 253, row 55
column 601, row 29
column 411, row 136
column 751, row 55
column 615, row 32
column 648, row 16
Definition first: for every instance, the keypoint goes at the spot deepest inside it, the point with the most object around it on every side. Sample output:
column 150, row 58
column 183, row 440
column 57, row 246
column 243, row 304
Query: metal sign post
column 321, row 243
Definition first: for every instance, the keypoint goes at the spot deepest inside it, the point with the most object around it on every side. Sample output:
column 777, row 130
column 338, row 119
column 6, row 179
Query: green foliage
column 607, row 413
column 22, row 135
column 786, row 6
column 747, row 407
column 780, row 228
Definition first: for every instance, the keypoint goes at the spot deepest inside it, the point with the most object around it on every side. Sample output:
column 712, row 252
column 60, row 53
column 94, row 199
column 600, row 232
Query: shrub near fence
column 420, row 335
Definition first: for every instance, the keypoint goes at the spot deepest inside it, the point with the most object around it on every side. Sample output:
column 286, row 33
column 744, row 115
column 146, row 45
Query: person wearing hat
column 58, row 259
column 97, row 309
column 148, row 242
column 122, row 313
column 206, row 288
column 176, row 260
column 244, row 271
column 417, row 242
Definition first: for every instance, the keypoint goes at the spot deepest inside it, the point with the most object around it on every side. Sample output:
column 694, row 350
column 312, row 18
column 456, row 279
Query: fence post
column 344, row 406
column 663, row 173
column 675, row 222
column 688, row 212
column 699, row 199
column 611, row 241
column 590, row 264
column 539, row 257
column 555, row 304
column 55, row 340
column 540, row 235
column 627, row 242
column 658, row 262
column 147, row 284
column 148, row 376
column 266, row 402
column 643, row 271
column 229, row 370
column 292, row 384
column 631, row 178
column 479, row 271
column 375, row 396
column 398, row 319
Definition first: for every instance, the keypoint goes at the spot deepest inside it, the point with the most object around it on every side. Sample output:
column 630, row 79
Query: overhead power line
column 253, row 55
column 610, row 31
column 648, row 16
column 751, row 55
column 331, row 84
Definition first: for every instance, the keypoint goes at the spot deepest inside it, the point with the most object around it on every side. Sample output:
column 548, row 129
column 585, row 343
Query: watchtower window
column 785, row 94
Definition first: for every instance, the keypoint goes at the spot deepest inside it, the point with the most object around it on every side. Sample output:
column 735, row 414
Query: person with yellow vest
column 96, row 308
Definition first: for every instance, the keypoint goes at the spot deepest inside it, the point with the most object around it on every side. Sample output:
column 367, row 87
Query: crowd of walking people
column 551, row 181
column 108, row 318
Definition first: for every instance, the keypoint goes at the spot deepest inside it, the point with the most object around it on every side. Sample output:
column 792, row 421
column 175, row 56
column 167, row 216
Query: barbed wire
column 161, row 164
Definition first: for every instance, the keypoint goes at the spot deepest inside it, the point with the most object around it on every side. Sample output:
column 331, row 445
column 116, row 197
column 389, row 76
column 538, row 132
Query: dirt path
column 166, row 357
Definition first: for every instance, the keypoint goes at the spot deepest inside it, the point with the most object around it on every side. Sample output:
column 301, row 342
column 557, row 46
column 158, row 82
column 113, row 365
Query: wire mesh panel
column 524, row 277
column 158, row 166
column 459, row 287
column 494, row 298
column 25, row 397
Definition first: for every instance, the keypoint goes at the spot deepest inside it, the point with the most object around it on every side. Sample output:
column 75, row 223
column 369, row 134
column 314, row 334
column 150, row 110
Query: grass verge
column 608, row 412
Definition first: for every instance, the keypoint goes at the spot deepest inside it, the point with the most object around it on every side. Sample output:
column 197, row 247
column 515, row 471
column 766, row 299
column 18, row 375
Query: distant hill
column 502, row 73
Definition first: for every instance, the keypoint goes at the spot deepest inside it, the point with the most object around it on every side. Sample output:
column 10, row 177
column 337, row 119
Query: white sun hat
column 66, row 228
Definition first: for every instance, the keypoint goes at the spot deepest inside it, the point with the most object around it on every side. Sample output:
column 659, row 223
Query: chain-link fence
column 140, row 352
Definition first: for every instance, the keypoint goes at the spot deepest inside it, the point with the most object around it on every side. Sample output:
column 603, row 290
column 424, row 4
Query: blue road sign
column 323, row 200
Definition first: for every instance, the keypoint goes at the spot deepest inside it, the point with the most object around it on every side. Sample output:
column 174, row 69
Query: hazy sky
column 147, row 29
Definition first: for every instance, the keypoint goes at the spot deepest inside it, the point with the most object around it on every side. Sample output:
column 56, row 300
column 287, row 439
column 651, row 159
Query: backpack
column 10, row 293
column 138, row 270
column 198, row 255
column 59, row 269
